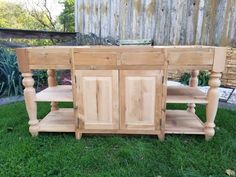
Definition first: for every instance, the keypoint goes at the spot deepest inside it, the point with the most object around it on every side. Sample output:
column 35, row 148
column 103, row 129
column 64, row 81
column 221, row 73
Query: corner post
column 193, row 82
column 51, row 83
column 213, row 94
column 211, row 109
column 30, row 101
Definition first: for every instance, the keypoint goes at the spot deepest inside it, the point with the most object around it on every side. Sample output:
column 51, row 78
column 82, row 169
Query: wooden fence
column 167, row 22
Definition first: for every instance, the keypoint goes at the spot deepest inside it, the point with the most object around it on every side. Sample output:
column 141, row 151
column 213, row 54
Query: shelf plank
column 61, row 120
column 182, row 94
column 183, row 122
column 59, row 93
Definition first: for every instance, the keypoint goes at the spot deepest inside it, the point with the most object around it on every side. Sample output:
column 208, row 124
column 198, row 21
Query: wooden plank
column 61, row 120
column 183, row 122
column 95, row 58
column 104, row 17
column 185, row 95
column 6, row 33
column 80, row 20
column 114, row 19
column 190, row 58
column 142, row 58
column 136, row 20
column 59, row 93
column 114, row 131
column 49, row 56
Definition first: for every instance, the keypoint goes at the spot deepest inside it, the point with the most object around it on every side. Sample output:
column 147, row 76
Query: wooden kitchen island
column 122, row 90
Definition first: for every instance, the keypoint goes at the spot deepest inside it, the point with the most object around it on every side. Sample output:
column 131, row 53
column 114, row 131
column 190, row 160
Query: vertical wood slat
column 172, row 22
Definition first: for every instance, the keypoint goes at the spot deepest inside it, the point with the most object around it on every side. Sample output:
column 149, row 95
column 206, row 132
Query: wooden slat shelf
column 183, row 122
column 61, row 120
column 60, row 93
column 182, row 94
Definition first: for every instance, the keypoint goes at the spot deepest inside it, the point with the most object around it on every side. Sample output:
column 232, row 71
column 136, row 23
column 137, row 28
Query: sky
column 53, row 5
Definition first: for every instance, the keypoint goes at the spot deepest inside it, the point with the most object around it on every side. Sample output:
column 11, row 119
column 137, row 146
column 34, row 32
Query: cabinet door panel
column 97, row 98
column 140, row 99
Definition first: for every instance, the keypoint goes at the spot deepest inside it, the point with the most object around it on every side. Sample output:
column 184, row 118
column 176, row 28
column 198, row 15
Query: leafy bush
column 203, row 78
column 40, row 79
column 10, row 78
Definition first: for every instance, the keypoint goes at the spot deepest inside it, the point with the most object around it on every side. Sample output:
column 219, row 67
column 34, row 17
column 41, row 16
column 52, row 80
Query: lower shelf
column 61, row 120
column 180, row 94
column 177, row 122
column 183, row 122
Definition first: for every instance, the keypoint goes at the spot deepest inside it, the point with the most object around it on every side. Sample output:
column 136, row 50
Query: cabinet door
column 97, row 99
column 140, row 96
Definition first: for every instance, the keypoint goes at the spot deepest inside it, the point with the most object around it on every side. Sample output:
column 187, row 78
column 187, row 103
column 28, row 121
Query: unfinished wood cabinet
column 122, row 90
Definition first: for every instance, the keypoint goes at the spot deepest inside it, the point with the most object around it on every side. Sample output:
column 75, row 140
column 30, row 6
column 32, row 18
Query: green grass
column 60, row 154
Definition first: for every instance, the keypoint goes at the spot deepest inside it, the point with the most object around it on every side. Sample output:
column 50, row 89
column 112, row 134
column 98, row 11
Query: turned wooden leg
column 78, row 135
column 193, row 82
column 161, row 136
column 30, row 102
column 212, row 106
column 51, row 83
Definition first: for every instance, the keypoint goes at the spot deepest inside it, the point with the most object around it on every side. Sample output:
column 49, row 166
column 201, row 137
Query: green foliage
column 203, row 78
column 14, row 15
column 184, row 79
column 40, row 78
column 67, row 17
column 10, row 78
column 60, row 154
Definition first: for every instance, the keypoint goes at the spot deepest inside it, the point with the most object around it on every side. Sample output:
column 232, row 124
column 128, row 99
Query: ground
column 60, row 154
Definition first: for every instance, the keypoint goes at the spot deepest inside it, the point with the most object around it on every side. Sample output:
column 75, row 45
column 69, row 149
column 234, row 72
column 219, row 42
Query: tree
column 17, row 15
column 40, row 12
column 67, row 17
column 14, row 16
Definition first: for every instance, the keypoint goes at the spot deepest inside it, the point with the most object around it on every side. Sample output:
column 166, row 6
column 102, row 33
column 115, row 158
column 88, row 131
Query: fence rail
column 6, row 33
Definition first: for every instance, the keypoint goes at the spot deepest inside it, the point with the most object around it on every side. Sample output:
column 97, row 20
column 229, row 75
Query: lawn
column 60, row 154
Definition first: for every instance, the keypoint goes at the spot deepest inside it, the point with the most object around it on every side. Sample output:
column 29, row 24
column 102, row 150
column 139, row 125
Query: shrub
column 203, row 78
column 10, row 78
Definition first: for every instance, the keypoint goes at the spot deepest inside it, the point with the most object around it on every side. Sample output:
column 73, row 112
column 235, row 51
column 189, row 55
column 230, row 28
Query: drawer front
column 142, row 58
column 95, row 58
column 51, row 56
column 191, row 58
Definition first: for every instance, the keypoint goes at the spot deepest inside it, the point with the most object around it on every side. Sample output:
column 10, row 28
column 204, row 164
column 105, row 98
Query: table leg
column 30, row 102
column 212, row 106
column 51, row 83
column 193, row 82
